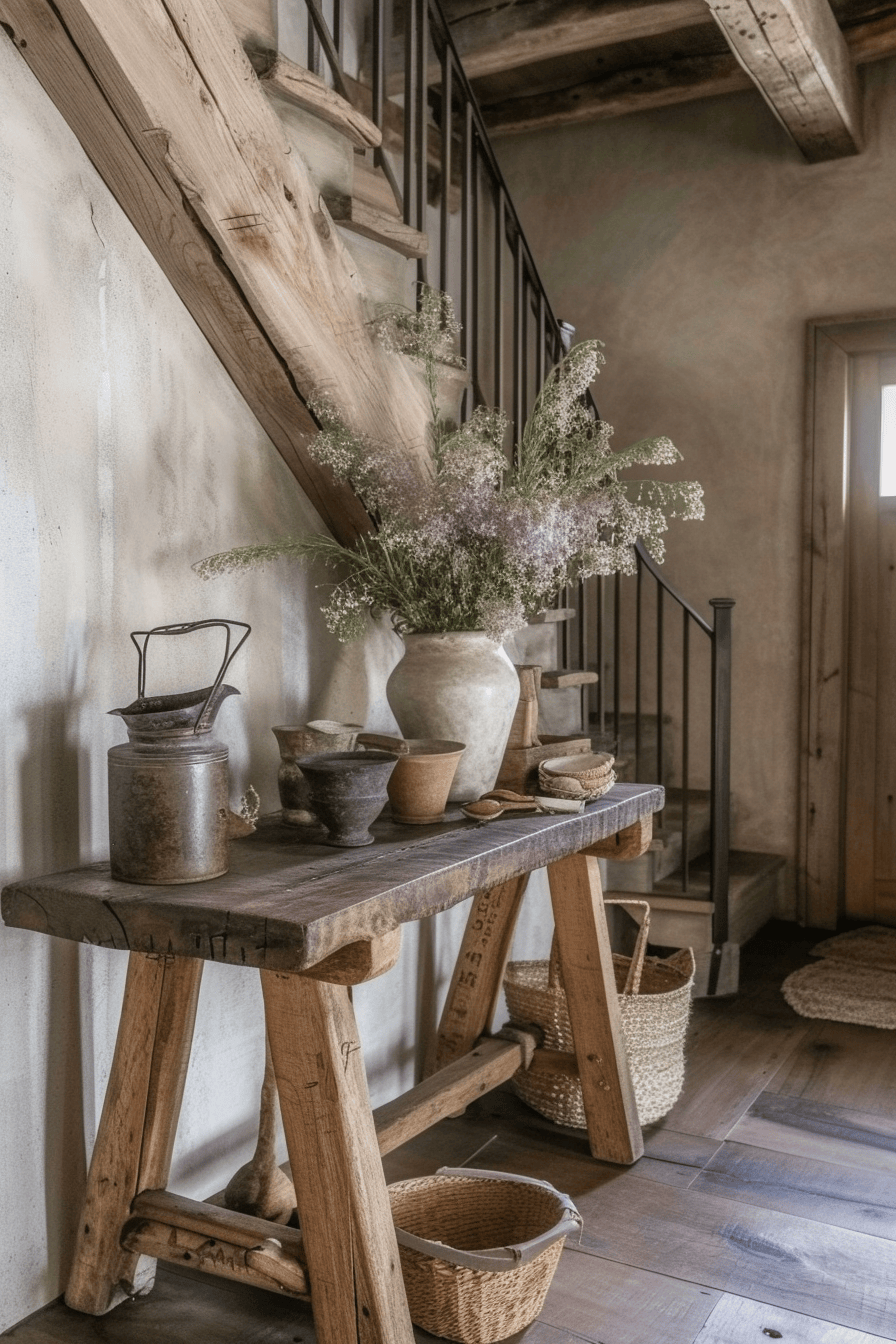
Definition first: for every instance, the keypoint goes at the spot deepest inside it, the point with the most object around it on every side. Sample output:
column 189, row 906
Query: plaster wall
column 696, row 243
column 126, row 454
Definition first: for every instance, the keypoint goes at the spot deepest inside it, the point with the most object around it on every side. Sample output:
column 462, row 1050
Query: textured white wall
column 125, row 454
column 696, row 244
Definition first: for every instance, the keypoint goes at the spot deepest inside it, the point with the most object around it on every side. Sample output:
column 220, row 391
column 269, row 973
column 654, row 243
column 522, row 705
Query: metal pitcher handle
column 185, row 628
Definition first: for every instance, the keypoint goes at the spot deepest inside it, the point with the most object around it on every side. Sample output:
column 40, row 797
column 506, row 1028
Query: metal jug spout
column 155, row 718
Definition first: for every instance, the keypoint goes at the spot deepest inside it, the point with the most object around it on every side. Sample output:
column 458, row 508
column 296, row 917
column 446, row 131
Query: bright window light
column 888, row 440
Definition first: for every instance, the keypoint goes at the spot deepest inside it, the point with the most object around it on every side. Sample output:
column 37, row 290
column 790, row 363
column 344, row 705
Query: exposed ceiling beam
column 797, row 57
column 521, row 32
column 678, row 81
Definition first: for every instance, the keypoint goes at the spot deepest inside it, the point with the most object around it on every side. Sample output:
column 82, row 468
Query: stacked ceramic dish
column 587, row 776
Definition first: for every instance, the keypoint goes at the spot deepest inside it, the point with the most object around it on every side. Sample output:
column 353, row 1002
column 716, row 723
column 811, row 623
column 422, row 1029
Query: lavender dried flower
column 483, row 544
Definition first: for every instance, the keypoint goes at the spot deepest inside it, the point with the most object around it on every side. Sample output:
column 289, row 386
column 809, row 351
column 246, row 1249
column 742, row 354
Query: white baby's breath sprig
column 482, row 544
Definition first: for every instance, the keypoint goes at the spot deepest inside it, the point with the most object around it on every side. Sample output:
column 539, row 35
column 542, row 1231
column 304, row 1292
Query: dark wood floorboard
column 764, row 1207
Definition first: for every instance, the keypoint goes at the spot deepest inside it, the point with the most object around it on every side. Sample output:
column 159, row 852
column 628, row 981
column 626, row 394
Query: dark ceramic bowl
column 348, row 791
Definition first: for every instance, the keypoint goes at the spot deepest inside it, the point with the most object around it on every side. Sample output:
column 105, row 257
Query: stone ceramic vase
column 460, row 686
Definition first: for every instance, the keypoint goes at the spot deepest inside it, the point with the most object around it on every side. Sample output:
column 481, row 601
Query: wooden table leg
column 137, row 1127
column 586, row 958
column 478, row 972
column 357, row 1291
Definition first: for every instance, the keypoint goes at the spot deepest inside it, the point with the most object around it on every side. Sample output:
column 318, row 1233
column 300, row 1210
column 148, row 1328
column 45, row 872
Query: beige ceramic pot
column 321, row 735
column 418, row 786
column 460, row 687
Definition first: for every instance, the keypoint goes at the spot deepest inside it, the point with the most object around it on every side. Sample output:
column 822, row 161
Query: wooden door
column 870, row 794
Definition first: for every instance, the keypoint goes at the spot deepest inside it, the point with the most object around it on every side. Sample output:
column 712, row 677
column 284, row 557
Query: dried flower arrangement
column 483, row 545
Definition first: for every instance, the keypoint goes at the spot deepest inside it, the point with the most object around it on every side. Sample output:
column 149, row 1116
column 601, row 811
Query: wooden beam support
column 643, row 88
column 797, row 57
column 308, row 91
column 445, row 1093
column 219, row 1241
column 522, row 32
column 171, row 230
column 176, row 105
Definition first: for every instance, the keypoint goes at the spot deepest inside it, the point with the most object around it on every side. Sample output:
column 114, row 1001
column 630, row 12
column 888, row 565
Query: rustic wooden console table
column 314, row 921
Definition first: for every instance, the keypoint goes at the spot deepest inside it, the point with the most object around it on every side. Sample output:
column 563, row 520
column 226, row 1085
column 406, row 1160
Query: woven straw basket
column 456, row 1287
column 654, row 1003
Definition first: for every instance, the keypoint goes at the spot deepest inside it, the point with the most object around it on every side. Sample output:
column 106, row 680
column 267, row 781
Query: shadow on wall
column 54, row 775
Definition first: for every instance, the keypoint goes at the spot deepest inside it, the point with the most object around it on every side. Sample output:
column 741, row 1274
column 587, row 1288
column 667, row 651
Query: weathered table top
column 286, row 904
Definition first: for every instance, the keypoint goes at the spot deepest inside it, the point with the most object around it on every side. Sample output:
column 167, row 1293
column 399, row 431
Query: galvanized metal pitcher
column 169, row 784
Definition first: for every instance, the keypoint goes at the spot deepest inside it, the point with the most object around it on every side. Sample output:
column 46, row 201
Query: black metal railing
column 436, row 155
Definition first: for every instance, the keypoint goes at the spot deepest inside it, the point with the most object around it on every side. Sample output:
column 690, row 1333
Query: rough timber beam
column 676, row 81
column 798, row 59
column 170, row 111
column 521, row 32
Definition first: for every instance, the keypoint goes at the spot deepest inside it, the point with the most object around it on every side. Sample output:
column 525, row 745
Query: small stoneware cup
column 347, row 792
column 421, row 780
column 321, row 735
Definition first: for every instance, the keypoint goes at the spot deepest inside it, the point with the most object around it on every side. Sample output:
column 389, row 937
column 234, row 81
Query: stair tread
column 360, row 217
column 745, row 868
column 558, row 678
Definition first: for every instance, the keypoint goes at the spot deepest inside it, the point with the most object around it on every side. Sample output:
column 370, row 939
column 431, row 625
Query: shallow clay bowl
column 589, row 768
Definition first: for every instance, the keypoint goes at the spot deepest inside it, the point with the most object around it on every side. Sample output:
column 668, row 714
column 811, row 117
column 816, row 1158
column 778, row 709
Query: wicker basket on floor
column 654, row 1003
column 445, row 1224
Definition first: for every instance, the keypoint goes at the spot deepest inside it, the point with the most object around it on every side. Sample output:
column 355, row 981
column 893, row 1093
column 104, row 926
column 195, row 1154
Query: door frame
column 831, row 342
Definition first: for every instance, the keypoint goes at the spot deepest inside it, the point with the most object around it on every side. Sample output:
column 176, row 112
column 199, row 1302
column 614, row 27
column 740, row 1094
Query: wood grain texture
column 603, row 1301
column 358, row 216
column 186, row 96
column 827, row 1187
column 798, row 59
column 833, row 1061
column 136, row 1131
column 629, row 843
column 357, row 1291
column 839, row 1275
column 590, row 983
column 287, row 906
column 356, row 963
column 738, row 1320
column 730, row 1059
column 265, row 1265
column 446, row 1092
column 478, row 972
column 309, row 92
column 504, row 37
column 170, row 228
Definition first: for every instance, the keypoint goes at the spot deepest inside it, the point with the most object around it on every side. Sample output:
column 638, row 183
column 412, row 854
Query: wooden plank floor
column 764, row 1207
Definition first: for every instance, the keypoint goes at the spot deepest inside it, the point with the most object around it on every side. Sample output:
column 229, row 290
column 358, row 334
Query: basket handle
column 633, row 979
column 497, row 1258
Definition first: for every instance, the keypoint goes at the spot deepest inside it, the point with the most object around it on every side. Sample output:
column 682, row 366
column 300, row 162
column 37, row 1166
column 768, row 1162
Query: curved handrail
column 647, row 560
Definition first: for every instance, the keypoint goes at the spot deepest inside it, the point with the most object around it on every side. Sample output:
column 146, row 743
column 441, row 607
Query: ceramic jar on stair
column 458, row 685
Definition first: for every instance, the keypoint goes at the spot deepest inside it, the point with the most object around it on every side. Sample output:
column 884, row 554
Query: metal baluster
column 638, row 676
column 422, row 110
column 584, row 693
column 313, row 49
column 685, row 747
column 500, row 245
column 720, row 778
column 601, row 651
column 338, row 25
column 466, row 255
column 444, row 213
column 411, row 39
column 540, row 350
column 517, row 340
column 617, row 658
column 474, row 368
column 659, row 696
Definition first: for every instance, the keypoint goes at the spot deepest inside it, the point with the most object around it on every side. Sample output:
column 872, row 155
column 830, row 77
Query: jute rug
column 855, row 980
